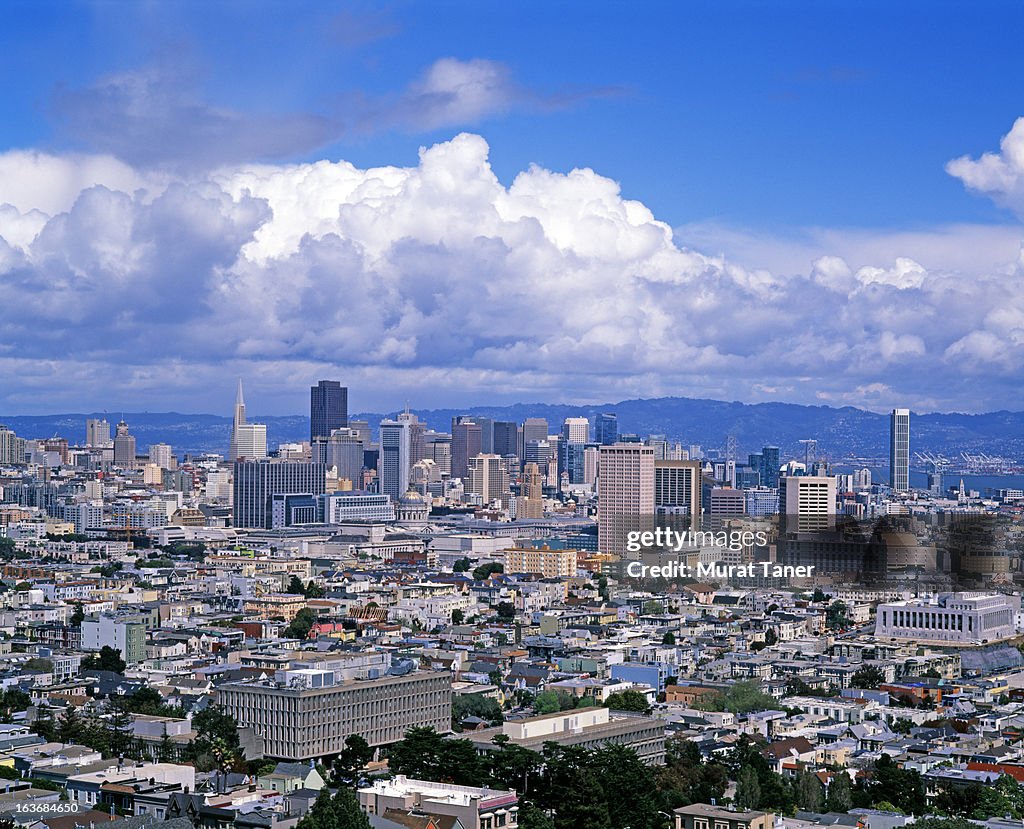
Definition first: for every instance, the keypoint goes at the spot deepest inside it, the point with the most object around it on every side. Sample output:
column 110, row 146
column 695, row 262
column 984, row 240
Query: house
column 703, row 816
column 288, row 777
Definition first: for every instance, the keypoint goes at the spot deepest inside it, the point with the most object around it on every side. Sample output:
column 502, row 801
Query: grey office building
column 308, row 723
column 257, row 482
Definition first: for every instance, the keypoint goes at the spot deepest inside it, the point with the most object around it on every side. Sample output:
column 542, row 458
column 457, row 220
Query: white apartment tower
column 899, row 450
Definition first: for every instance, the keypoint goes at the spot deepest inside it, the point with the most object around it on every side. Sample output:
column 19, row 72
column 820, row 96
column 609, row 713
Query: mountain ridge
column 841, row 432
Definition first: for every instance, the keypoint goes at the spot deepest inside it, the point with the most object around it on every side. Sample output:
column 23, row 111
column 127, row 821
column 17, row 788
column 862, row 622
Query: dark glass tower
column 328, row 408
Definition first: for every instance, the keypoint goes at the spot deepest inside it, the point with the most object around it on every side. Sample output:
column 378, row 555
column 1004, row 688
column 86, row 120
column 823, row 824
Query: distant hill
column 841, row 433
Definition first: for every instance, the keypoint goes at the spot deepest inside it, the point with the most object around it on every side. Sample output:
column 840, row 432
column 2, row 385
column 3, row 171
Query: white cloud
column 999, row 175
column 438, row 283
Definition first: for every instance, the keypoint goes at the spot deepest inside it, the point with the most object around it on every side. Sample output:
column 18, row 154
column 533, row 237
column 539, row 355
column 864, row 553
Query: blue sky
column 773, row 133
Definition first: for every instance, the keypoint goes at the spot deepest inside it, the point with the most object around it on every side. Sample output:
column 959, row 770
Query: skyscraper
column 466, row 442
column 504, row 438
column 237, row 421
column 488, row 478
column 770, row 466
column 899, row 450
column 807, row 503
column 576, row 430
column 251, row 441
column 328, row 408
column 393, row 462
column 677, row 489
column 533, row 429
column 124, row 447
column 626, row 499
column 530, row 503
column 97, row 433
column 257, row 482
column 606, row 429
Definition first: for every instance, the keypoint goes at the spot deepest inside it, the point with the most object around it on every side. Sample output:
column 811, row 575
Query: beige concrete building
column 300, row 721
column 625, row 495
column 543, row 561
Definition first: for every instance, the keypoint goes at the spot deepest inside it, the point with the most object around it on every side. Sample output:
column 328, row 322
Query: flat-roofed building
column 585, row 727
column 309, row 717
column 473, row 807
column 541, row 560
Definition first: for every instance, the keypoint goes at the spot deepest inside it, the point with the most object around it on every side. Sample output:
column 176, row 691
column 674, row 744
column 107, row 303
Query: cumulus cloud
column 999, row 175
column 438, row 283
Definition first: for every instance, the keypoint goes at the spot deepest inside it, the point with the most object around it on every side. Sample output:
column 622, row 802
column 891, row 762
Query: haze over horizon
column 400, row 198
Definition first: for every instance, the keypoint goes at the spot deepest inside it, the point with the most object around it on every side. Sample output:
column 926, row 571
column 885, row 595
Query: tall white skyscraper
column 626, row 495
column 899, row 450
column 807, row 503
column 393, row 461
column 251, row 441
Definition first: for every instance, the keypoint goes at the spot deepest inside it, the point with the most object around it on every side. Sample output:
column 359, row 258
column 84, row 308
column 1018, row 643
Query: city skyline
column 212, row 220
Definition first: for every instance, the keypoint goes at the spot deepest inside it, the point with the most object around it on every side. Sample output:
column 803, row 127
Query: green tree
column 740, row 698
column 748, row 789
column 314, row 591
column 108, row 659
column 808, row 792
column 475, row 705
column 836, row 616
column 628, row 700
column 462, row 565
column 869, row 676
column 295, row 586
column 669, row 638
column 458, row 617
column 506, row 610
column 347, row 813
column 839, row 797
column 352, row 759
column 216, row 744
column 485, row 570
column 301, row 624
column 78, row 616
column 69, row 725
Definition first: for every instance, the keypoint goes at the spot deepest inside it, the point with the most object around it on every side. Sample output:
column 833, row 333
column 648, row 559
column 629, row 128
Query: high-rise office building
column 257, row 482
column 504, row 442
column 677, row 489
column 626, row 495
column 576, row 430
column 343, row 451
column 466, row 442
column 393, row 464
column 606, row 429
column 124, row 447
column 97, row 433
column 328, row 408
column 770, row 466
column 12, row 448
column 488, row 478
column 161, row 455
column 533, row 429
column 530, row 503
column 899, row 450
column 237, row 420
column 438, row 448
column 807, row 503
column 251, row 441
column 417, row 437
